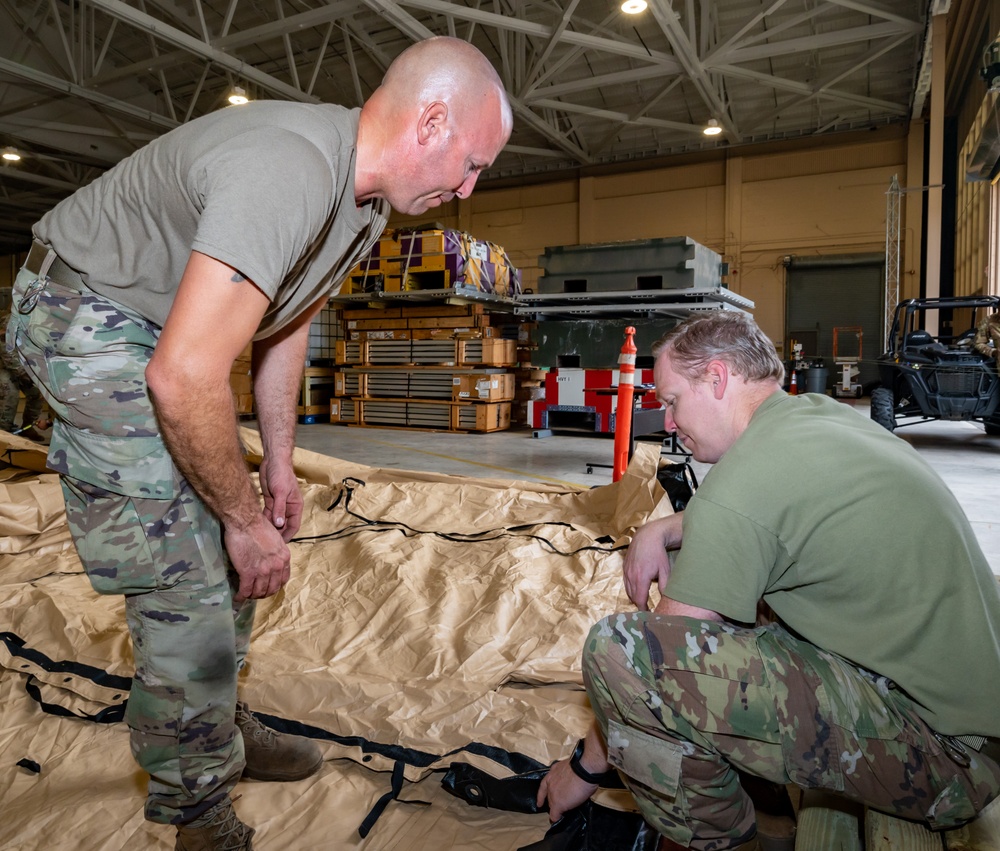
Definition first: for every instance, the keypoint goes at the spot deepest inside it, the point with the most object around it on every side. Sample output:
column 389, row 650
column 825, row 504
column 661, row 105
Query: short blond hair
column 728, row 336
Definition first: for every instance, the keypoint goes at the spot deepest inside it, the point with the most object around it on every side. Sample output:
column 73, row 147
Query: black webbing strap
column 108, row 715
column 383, row 802
column 513, row 761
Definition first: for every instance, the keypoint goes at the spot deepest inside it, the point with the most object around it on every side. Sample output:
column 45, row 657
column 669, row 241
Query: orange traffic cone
column 626, row 397
column 793, row 388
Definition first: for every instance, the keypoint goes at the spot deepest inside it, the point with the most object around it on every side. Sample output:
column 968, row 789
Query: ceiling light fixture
column 712, row 128
column 238, row 96
column 634, row 7
column 10, row 154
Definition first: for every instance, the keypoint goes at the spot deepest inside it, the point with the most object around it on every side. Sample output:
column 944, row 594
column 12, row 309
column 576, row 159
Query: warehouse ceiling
column 84, row 83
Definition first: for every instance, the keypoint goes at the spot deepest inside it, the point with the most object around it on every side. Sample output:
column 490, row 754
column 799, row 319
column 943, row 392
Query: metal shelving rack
column 671, row 303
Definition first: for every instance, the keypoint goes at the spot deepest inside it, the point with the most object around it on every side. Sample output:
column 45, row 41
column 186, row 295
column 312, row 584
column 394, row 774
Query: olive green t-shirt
column 267, row 188
column 858, row 546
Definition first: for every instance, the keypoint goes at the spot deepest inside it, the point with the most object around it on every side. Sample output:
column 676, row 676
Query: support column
column 939, row 35
column 913, row 212
column 733, row 223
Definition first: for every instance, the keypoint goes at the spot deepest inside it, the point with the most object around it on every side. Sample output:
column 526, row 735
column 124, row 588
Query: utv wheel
column 992, row 427
column 882, row 405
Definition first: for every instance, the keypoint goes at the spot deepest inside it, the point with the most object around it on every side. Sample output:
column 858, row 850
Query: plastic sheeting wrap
column 429, row 620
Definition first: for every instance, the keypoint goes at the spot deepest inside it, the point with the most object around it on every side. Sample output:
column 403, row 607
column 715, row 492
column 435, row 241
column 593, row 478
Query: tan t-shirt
column 267, row 188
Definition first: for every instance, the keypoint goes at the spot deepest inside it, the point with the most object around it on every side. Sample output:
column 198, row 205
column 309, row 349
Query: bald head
column 439, row 118
column 442, row 68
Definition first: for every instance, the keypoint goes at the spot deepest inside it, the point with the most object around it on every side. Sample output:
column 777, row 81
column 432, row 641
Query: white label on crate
column 480, row 251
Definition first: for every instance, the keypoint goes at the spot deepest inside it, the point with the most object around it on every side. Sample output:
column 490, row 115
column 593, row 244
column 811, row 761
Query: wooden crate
column 351, row 351
column 344, row 411
column 318, row 387
column 494, row 351
column 486, row 417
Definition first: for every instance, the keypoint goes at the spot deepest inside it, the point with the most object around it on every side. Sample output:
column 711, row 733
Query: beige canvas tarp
column 429, row 619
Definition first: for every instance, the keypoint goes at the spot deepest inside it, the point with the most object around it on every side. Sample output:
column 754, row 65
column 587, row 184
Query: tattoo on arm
column 237, row 278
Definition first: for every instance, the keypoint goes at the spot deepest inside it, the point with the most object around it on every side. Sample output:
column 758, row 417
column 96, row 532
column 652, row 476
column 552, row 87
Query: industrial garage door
column 823, row 293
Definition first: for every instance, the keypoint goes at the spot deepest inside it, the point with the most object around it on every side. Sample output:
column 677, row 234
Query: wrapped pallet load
column 434, row 257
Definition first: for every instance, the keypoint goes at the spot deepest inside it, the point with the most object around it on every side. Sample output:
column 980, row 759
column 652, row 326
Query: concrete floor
column 966, row 458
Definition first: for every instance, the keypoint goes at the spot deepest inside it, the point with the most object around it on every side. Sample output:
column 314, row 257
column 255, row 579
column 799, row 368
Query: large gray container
column 664, row 263
column 816, row 379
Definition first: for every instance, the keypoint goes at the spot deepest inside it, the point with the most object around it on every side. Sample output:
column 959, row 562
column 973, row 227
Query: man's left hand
column 282, row 498
column 563, row 790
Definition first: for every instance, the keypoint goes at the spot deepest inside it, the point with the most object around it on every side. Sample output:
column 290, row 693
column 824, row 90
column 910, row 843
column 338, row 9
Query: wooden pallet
column 451, row 416
column 490, row 351
column 426, row 382
column 827, row 822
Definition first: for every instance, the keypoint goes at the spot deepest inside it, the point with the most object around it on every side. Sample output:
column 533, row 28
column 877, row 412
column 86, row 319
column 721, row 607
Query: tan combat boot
column 219, row 829
column 670, row 845
column 274, row 756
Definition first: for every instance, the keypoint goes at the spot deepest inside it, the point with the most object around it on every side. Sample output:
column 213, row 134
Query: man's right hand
column 261, row 559
column 647, row 560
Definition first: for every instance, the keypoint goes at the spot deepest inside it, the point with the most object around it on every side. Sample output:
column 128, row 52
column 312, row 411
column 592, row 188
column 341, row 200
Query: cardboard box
column 244, row 403
column 483, row 388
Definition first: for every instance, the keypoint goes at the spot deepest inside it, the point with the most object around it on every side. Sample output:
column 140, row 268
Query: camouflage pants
column 13, row 382
column 683, row 703
column 141, row 531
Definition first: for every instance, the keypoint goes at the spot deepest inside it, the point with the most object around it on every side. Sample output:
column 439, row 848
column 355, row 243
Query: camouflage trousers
column 684, row 704
column 141, row 531
column 13, row 382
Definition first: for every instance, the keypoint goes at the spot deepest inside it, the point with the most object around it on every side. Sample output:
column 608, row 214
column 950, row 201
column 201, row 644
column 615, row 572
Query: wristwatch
column 583, row 774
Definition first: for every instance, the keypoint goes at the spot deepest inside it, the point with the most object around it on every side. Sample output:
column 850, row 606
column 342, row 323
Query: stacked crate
column 440, row 366
column 431, row 259
column 242, row 384
column 318, row 387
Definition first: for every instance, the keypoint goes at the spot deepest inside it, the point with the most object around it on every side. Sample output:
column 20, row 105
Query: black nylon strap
column 383, row 802
column 108, row 715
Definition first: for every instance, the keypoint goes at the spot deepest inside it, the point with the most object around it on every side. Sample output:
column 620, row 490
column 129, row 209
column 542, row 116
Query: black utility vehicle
column 937, row 378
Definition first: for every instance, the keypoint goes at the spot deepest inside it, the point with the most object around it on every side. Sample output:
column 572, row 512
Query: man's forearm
column 277, row 377
column 198, row 425
column 277, row 368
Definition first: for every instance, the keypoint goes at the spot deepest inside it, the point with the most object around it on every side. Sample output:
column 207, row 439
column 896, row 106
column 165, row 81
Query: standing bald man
column 139, row 292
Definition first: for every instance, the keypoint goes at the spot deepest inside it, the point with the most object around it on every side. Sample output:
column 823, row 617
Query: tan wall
column 754, row 207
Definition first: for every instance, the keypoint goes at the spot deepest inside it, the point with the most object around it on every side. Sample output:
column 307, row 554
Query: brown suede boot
column 274, row 756
column 670, row 845
column 775, row 833
column 219, row 829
